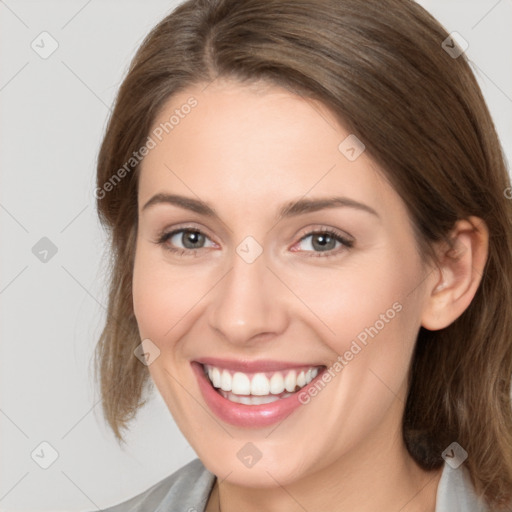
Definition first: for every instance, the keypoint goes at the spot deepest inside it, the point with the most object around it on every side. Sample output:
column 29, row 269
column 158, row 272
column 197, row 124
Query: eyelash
column 347, row 243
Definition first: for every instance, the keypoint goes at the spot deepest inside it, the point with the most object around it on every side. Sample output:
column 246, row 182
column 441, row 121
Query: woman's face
column 275, row 256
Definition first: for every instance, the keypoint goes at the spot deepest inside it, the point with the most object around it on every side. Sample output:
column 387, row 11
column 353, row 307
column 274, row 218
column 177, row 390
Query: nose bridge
column 246, row 303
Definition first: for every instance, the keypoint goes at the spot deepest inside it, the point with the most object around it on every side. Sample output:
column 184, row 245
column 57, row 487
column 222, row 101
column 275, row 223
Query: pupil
column 323, row 242
column 191, row 239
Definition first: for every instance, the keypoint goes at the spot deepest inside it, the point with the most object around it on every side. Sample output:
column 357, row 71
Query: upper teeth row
column 242, row 384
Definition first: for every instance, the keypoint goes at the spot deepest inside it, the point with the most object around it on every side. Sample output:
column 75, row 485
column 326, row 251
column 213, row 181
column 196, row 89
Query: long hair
column 381, row 67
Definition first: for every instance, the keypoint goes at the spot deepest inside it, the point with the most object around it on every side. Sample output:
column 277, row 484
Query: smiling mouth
column 260, row 387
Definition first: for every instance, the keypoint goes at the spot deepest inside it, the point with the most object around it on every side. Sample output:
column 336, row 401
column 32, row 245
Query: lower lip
column 242, row 415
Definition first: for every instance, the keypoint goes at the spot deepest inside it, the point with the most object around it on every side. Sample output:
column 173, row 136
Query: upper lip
column 260, row 365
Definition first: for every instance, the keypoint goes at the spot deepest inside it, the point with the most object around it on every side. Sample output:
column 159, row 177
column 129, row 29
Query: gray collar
column 188, row 490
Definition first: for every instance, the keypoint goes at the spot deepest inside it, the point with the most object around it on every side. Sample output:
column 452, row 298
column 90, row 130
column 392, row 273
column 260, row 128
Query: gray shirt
column 188, row 490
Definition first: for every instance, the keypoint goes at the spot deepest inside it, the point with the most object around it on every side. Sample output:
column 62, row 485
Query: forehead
column 250, row 145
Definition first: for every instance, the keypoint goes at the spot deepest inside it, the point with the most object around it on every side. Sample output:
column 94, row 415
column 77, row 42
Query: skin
column 246, row 150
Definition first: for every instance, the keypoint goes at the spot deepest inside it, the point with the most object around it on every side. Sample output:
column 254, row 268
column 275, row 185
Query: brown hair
column 379, row 65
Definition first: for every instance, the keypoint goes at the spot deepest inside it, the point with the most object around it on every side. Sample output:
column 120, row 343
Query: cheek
column 361, row 300
column 370, row 314
column 165, row 299
column 164, row 302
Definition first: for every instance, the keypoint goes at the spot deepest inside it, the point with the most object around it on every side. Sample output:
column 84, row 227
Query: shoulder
column 455, row 492
column 186, row 490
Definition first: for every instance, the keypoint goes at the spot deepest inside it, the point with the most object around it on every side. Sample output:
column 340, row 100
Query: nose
column 248, row 304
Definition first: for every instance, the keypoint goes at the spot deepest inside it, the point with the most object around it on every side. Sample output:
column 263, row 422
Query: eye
column 185, row 240
column 323, row 241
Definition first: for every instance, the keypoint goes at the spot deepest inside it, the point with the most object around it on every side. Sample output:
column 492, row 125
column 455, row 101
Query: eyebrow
column 289, row 209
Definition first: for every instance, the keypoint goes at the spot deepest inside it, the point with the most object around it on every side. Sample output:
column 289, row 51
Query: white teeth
column 251, row 400
column 260, row 385
column 259, row 400
column 241, row 385
column 290, row 381
column 215, row 377
column 248, row 388
column 276, row 384
column 225, row 381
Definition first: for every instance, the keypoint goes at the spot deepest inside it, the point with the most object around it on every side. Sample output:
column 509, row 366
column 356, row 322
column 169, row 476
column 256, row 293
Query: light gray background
column 53, row 114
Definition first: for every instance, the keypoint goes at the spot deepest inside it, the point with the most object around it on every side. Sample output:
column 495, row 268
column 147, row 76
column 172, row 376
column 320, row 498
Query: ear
column 456, row 278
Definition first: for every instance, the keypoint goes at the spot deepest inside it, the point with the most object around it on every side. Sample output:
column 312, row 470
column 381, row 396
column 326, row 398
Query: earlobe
column 458, row 274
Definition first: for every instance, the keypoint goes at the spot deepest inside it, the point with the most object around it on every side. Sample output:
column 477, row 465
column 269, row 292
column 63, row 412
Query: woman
column 312, row 260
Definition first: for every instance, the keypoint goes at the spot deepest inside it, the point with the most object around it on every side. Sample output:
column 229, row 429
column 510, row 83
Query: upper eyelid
column 174, row 230
column 305, row 232
column 341, row 235
column 325, row 229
